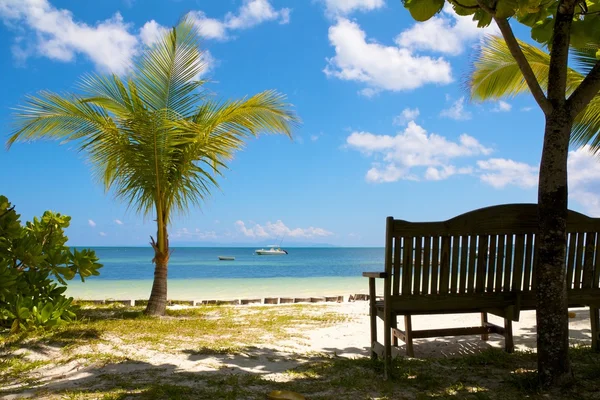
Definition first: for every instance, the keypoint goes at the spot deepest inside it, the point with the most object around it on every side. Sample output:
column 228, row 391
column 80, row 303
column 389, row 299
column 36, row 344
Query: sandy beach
column 347, row 337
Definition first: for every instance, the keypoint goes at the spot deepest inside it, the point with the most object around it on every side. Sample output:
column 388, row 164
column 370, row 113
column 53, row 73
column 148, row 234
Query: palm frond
column 154, row 139
column 67, row 117
column 496, row 74
column 586, row 129
column 167, row 72
column 585, row 58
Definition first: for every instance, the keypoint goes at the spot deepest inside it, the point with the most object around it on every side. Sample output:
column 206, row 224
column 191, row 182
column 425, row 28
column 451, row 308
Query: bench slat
column 407, row 267
column 398, row 243
column 588, row 261
column 418, row 261
column 508, row 264
column 426, row 265
column 435, row 264
column 517, row 281
column 528, row 261
column 493, row 261
column 445, row 265
column 472, row 259
column 571, row 250
column 482, row 256
column 454, row 264
column 596, row 279
column 579, row 260
column 501, row 261
column 464, row 251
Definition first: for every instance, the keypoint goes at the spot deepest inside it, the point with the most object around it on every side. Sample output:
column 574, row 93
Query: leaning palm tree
column 496, row 75
column 154, row 138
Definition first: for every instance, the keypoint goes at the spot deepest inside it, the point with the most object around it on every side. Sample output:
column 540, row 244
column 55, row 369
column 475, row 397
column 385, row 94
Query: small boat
column 273, row 251
column 226, row 258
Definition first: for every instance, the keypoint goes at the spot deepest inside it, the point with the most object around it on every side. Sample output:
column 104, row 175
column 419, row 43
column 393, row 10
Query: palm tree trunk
column 552, row 322
column 158, row 297
column 157, row 303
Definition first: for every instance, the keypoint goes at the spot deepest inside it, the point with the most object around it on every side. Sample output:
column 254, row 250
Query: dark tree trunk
column 552, row 321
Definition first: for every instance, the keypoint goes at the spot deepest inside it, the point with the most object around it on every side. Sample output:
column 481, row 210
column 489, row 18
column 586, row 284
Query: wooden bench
column 479, row 262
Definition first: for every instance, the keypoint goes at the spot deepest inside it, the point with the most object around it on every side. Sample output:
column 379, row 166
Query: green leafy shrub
column 35, row 265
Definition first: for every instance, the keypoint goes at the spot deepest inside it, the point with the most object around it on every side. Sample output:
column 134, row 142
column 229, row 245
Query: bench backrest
column 492, row 249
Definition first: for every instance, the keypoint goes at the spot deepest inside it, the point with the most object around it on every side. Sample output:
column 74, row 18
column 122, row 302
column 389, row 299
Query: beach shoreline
column 222, row 289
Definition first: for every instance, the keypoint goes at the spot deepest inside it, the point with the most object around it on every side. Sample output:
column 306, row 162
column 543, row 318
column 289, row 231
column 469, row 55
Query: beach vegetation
column 35, row 265
column 155, row 137
column 562, row 26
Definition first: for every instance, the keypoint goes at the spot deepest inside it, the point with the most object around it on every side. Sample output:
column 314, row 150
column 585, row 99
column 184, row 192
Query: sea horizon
column 196, row 273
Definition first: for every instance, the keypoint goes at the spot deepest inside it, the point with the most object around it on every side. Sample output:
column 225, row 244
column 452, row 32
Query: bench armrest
column 374, row 274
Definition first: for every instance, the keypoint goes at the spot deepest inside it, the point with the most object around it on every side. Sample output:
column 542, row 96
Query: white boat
column 273, row 251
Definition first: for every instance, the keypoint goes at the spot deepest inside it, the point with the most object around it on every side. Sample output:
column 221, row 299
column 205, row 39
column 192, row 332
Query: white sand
column 350, row 339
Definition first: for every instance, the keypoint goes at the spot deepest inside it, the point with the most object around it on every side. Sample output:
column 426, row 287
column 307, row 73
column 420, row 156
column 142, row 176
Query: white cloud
column 45, row 30
column 438, row 174
column 502, row 106
column 526, row 109
column 500, row 172
column 407, row 154
column 196, row 234
column 456, row 111
column 118, row 222
column 314, row 138
column 91, row 223
column 445, row 33
column 278, row 229
column 251, row 13
column 102, row 234
column 407, row 115
column 151, row 32
column 584, row 179
column 369, row 92
column 254, row 12
column 344, row 7
column 377, row 66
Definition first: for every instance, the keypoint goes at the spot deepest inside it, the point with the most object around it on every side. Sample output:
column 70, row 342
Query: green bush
column 35, row 265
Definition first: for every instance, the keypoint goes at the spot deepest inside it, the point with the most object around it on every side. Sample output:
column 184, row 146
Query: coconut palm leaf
column 153, row 138
column 496, row 75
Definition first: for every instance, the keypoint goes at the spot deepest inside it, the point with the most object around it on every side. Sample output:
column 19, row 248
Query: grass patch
column 17, row 370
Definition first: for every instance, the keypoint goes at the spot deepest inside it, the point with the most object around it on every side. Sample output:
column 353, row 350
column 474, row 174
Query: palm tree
column 496, row 75
column 154, row 137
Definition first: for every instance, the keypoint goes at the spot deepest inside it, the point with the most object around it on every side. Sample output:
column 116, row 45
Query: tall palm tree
column 496, row 75
column 154, row 138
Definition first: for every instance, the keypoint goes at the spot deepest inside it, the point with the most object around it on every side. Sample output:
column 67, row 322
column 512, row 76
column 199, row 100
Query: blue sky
column 387, row 125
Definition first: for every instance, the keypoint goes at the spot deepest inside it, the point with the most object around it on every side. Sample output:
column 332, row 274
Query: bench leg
column 387, row 344
column 484, row 320
column 373, row 316
column 509, row 344
column 595, row 325
column 409, row 340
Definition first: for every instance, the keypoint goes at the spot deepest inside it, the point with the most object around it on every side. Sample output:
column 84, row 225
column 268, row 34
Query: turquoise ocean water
column 195, row 273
